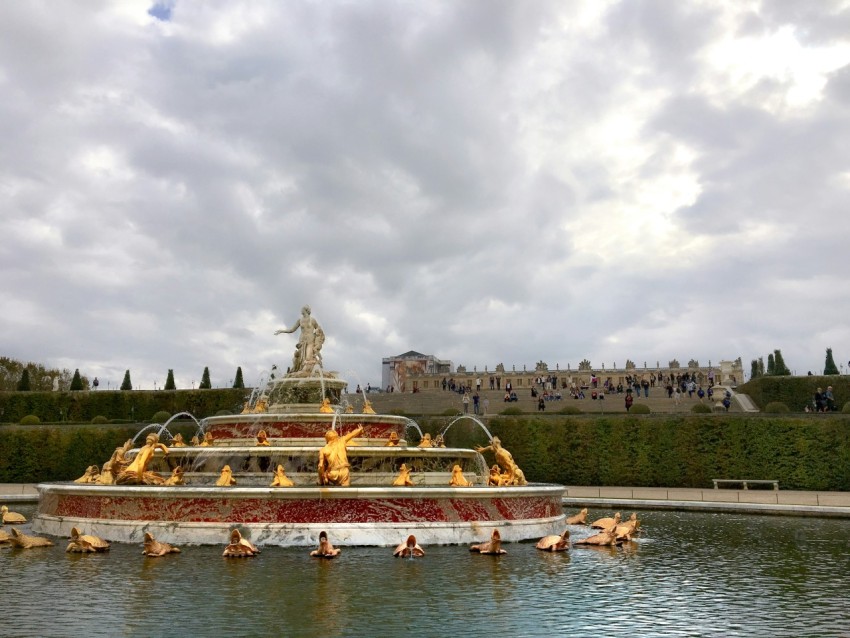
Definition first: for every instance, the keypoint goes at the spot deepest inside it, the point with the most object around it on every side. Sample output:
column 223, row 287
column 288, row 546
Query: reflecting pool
column 690, row 574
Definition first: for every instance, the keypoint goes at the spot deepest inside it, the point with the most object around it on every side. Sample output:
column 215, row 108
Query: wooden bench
column 746, row 482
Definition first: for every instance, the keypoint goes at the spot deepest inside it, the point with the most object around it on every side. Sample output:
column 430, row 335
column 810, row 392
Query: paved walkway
column 791, row 502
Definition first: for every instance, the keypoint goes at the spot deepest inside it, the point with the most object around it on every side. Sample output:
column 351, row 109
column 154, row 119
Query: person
column 333, row 458
column 309, row 346
column 629, row 401
column 486, row 405
column 475, row 401
column 829, row 399
column 478, row 384
column 541, row 405
column 819, row 400
column 465, row 403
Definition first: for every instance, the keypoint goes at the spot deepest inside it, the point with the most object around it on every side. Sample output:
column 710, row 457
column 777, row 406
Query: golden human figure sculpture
column 195, row 441
column 505, row 460
column 367, row 407
column 495, row 479
column 326, row 407
column 208, row 440
column 226, row 479
column 239, row 547
column 11, row 518
column 154, row 548
column 555, row 543
column 177, row 441
column 426, row 441
column 85, row 543
column 262, row 438
column 91, row 475
column 333, row 458
column 392, row 441
column 409, row 548
column 308, row 349
column 281, row 479
column 325, row 549
column 439, row 442
column 176, row 477
column 137, row 472
column 403, row 478
column 493, row 546
column 458, row 479
column 23, row 541
column 578, row 519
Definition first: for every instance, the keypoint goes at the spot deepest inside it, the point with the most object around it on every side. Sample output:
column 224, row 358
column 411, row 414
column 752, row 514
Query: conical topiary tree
column 205, row 380
column 76, row 382
column 754, row 369
column 126, row 384
column 169, row 382
column 779, row 364
column 24, row 383
column 829, row 367
column 761, row 366
column 237, row 380
column 771, row 365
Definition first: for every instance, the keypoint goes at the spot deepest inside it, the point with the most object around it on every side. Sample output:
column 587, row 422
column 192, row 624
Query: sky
column 485, row 181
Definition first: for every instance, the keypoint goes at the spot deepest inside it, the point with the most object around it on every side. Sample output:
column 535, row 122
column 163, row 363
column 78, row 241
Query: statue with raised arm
column 137, row 472
column 511, row 474
column 308, row 349
column 333, row 458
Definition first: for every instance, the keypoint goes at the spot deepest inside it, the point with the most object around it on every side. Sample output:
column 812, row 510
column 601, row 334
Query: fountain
column 344, row 477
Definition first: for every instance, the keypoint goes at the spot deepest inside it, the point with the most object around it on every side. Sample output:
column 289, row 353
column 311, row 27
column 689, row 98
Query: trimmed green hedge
column 776, row 407
column 795, row 392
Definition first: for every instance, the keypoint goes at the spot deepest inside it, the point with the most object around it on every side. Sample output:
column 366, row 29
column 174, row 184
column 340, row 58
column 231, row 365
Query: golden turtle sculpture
column 5, row 537
column 325, row 549
column 578, row 519
column 154, row 548
column 605, row 523
column 85, row 543
column 409, row 548
column 239, row 547
column 555, row 543
column 12, row 518
column 626, row 530
column 605, row 537
column 22, row 541
column 493, row 546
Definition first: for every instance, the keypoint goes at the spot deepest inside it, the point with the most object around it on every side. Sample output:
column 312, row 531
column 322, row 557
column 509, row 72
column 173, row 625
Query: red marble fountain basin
column 303, row 425
column 295, row 516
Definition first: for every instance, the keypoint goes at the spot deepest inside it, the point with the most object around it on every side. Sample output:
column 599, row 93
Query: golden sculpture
column 325, row 549
column 554, row 543
column 367, row 407
column 22, row 541
column 349, row 409
column 116, row 464
column 409, row 548
column 262, row 406
column 154, row 548
column 605, row 537
column 495, row 479
column 239, row 547
column 177, row 441
column 137, row 472
column 281, row 479
column 392, row 441
column 5, row 537
column 439, row 442
column 85, row 543
column 91, row 475
column 11, row 518
column 195, row 441
column 426, row 441
column 605, row 523
column 226, row 479
column 262, row 438
column 326, row 407
column 403, row 478
column 458, row 479
column 578, row 519
column 333, row 458
column 511, row 473
column 176, row 477
column 208, row 440
column 493, row 546
column 626, row 530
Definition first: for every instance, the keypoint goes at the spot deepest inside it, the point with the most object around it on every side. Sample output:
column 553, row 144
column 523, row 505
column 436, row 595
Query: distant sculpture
column 195, row 441
column 177, row 441
column 91, row 475
column 392, row 441
column 493, row 546
column 458, row 479
column 325, row 549
column 308, row 349
column 84, row 543
column 367, row 407
column 176, row 477
column 578, row 519
column 511, row 473
column 11, row 518
column 439, row 442
column 226, row 479
column 403, row 478
column 605, row 523
column 326, row 407
column 333, row 458
column 409, row 548
column 22, row 541
column 154, row 548
column 137, row 472
column 239, row 547
column 626, row 530
column 281, row 479
column 262, row 438
column 554, row 543
column 208, row 440
column 426, row 441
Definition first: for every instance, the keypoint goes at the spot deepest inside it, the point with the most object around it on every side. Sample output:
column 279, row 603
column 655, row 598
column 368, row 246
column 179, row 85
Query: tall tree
column 24, row 383
column 76, row 382
column 771, row 365
column 205, row 380
column 779, row 364
column 169, row 382
column 754, row 369
column 829, row 367
column 761, row 366
column 237, row 381
column 126, row 384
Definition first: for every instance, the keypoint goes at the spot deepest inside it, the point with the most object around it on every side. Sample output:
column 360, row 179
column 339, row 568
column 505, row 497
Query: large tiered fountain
column 354, row 475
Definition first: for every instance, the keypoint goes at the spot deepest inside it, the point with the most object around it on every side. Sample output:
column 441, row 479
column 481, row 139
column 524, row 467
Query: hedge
column 795, row 392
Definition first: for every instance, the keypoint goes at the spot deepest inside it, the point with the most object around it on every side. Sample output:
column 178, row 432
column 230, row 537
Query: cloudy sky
column 486, row 181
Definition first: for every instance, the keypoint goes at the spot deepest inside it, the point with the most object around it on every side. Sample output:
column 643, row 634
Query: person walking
column 629, row 401
column 465, row 402
column 475, row 401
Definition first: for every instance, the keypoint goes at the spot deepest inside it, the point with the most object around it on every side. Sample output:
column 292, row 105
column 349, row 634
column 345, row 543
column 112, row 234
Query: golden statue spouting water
column 176, row 477
column 326, row 407
column 333, row 458
column 458, row 479
column 262, row 438
column 367, row 407
column 91, row 475
column 137, row 472
column 325, row 549
column 511, row 473
column 409, row 549
column 493, row 546
column 426, row 441
column 208, row 440
column 239, row 547
column 177, row 441
column 281, row 479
